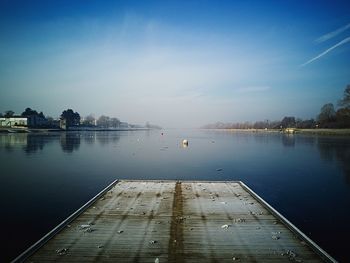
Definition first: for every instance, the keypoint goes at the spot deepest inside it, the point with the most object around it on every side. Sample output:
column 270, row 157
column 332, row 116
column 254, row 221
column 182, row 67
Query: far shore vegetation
column 329, row 121
column 69, row 119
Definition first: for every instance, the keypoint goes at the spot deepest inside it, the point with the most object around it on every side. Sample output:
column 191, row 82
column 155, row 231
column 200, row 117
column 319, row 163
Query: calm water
column 44, row 178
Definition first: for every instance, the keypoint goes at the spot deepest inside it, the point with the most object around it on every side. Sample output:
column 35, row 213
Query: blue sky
column 174, row 63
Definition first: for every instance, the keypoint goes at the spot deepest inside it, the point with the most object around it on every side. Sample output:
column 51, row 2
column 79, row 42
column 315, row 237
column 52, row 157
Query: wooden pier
column 169, row 221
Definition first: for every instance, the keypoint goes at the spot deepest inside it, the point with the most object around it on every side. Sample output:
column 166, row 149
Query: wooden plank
column 249, row 235
column 140, row 221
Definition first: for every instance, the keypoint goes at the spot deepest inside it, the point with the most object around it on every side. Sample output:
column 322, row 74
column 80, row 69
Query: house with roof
column 13, row 121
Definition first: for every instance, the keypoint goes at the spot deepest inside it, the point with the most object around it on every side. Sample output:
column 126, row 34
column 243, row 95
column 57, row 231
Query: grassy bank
column 339, row 132
column 324, row 131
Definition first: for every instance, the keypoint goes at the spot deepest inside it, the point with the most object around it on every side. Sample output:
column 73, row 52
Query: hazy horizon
column 174, row 64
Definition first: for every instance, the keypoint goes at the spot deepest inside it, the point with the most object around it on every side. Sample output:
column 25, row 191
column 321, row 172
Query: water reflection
column 262, row 138
column 306, row 140
column 312, row 167
column 338, row 150
column 68, row 141
column 89, row 137
column 35, row 143
column 326, row 150
column 106, row 137
column 288, row 140
column 9, row 141
column 331, row 149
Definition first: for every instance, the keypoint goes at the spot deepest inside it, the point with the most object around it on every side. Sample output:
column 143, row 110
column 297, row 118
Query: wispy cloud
column 344, row 41
column 332, row 34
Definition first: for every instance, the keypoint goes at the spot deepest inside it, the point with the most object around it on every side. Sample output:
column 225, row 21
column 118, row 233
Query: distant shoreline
column 44, row 130
column 293, row 131
column 324, row 131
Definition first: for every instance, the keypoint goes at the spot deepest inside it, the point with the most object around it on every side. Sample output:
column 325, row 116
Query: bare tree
column 327, row 113
column 103, row 121
column 114, row 122
column 89, row 120
column 288, row 122
column 345, row 101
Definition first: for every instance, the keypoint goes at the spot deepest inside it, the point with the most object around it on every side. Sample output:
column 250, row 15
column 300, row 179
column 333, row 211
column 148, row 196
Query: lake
column 46, row 177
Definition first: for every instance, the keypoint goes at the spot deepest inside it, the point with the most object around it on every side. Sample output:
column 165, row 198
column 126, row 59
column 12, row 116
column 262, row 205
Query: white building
column 13, row 121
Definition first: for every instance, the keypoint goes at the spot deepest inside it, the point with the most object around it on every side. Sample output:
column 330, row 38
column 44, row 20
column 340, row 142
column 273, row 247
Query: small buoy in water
column 185, row 142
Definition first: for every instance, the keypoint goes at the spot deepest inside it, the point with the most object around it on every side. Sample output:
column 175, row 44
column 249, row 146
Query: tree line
column 71, row 117
column 286, row 122
column 328, row 117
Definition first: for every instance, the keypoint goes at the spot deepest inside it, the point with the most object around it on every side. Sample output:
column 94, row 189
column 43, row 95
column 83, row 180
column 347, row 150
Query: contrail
column 344, row 41
column 332, row 34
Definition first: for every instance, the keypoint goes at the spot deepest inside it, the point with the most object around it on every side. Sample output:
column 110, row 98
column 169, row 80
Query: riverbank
column 30, row 130
column 26, row 130
column 337, row 132
column 324, row 131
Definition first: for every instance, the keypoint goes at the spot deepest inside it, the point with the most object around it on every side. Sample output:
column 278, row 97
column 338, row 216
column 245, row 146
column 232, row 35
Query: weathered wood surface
column 142, row 221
